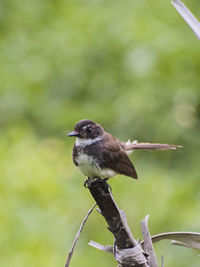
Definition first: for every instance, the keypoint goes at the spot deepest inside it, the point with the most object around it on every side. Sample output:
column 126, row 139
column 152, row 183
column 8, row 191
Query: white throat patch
column 86, row 142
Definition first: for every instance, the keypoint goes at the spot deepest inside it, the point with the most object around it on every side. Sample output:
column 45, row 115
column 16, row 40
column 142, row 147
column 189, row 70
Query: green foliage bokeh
column 132, row 66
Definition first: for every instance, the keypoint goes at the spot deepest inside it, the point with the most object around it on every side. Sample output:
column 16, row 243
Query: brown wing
column 116, row 159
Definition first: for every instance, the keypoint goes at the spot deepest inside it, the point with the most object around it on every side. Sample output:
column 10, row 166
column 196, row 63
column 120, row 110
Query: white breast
column 90, row 167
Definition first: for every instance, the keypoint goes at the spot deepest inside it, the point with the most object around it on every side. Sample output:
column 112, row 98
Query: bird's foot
column 87, row 182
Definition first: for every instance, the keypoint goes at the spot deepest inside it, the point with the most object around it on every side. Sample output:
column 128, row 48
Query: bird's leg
column 87, row 182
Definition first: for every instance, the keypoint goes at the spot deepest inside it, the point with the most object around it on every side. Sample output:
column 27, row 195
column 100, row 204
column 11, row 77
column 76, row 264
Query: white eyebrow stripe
column 89, row 125
column 86, row 141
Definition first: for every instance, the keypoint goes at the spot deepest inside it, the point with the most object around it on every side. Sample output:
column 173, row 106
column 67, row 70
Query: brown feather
column 115, row 158
column 149, row 146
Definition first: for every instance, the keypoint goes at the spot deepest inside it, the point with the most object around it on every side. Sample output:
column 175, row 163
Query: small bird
column 98, row 154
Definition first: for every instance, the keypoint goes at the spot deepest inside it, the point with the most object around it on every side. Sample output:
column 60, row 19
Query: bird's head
column 87, row 129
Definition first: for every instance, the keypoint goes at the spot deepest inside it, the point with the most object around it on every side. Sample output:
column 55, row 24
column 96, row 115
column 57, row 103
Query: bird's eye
column 89, row 129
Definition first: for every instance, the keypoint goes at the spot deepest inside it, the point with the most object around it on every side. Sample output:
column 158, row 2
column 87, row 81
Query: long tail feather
column 149, row 146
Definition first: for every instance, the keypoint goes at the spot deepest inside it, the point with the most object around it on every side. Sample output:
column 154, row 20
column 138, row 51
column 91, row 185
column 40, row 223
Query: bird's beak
column 74, row 133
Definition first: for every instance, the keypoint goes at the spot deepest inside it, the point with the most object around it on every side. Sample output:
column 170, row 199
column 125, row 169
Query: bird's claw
column 87, row 182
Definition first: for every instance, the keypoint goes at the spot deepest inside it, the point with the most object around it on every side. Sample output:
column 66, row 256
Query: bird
column 99, row 155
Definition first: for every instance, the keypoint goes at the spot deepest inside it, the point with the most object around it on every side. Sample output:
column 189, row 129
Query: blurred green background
column 134, row 67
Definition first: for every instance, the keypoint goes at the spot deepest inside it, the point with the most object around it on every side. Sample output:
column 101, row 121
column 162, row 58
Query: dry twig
column 148, row 246
column 187, row 15
column 77, row 235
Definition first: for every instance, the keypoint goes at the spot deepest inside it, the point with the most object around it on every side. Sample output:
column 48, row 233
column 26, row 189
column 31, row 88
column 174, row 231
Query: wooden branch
column 127, row 251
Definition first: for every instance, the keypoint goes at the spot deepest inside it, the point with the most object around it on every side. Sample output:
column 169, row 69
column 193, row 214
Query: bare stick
column 107, row 248
column 148, row 246
column 77, row 235
column 187, row 15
